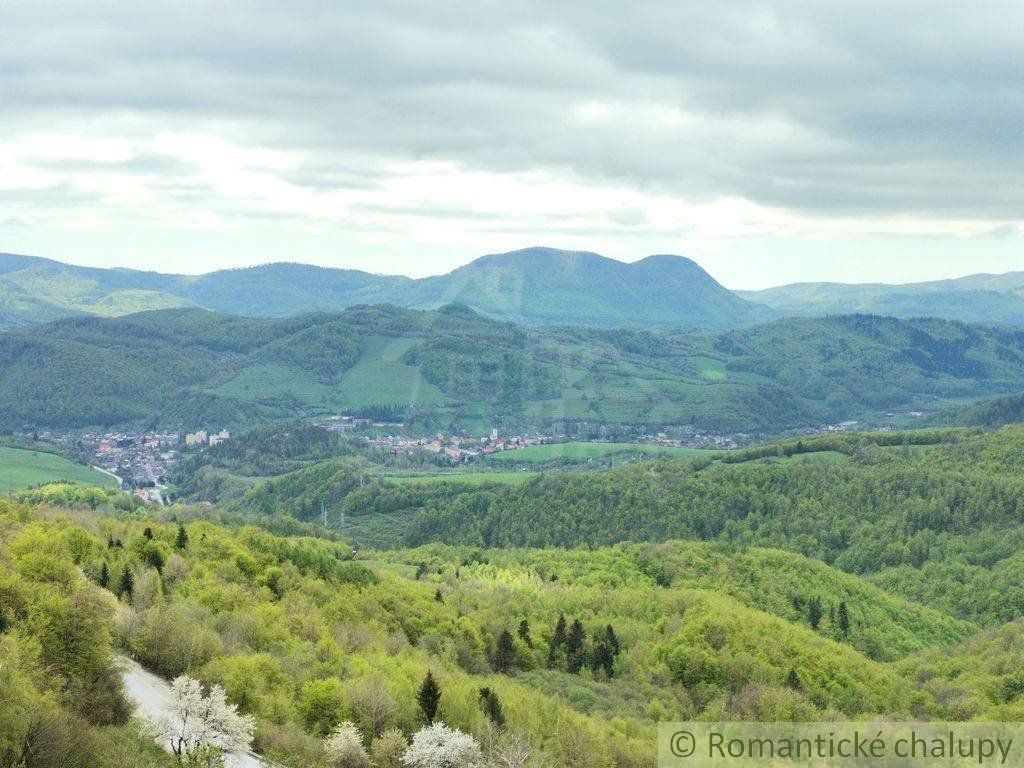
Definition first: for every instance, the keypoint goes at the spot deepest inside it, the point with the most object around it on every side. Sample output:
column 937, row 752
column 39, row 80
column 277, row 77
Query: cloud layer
column 410, row 136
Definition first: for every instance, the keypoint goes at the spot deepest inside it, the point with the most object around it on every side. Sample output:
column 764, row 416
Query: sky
column 770, row 142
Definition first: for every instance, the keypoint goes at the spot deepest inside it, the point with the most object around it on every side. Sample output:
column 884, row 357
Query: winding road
column 151, row 697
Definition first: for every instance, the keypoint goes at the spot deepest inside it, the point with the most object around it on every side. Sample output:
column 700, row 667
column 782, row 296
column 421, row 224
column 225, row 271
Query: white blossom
column 344, row 747
column 196, row 720
column 438, row 746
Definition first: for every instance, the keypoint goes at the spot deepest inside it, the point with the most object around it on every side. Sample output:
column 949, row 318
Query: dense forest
column 565, row 657
column 933, row 515
column 453, row 369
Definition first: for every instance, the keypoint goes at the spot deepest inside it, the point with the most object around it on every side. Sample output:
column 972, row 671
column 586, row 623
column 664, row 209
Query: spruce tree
column 844, row 619
column 182, row 541
column 505, row 653
column 793, row 681
column 148, row 533
column 429, row 696
column 127, row 583
column 575, row 656
column 814, row 612
column 524, row 633
column 491, row 705
column 104, row 580
column 612, row 639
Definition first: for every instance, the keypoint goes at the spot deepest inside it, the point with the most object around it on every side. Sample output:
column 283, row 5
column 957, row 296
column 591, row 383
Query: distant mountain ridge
column 534, row 286
column 980, row 298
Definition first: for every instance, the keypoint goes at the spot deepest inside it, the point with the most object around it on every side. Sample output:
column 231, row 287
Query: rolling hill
column 981, row 298
column 531, row 286
column 456, row 369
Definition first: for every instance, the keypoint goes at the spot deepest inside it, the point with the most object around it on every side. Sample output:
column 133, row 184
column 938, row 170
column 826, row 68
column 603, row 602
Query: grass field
column 22, row 469
column 473, row 478
column 540, row 454
column 381, row 378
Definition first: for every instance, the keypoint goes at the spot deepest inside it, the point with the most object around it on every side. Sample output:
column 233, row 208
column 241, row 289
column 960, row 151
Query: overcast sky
column 771, row 142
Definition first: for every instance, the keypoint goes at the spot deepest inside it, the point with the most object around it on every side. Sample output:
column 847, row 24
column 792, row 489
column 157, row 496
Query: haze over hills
column 531, row 286
column 974, row 298
column 457, row 369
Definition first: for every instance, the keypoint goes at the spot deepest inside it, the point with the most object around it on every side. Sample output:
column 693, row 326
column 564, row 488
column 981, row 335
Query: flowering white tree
column 344, row 748
column 438, row 746
column 196, row 720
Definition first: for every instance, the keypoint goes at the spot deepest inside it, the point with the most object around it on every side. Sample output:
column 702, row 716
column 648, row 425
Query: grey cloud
column 836, row 107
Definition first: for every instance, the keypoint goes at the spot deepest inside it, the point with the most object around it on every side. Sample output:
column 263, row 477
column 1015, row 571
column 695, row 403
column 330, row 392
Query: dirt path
column 151, row 697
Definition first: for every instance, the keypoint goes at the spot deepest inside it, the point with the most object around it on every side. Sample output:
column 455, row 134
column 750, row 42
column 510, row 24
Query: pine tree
column 491, row 705
column 793, row 681
column 505, row 653
column 558, row 639
column 182, row 541
column 148, row 533
column 844, row 618
column 557, row 642
column 524, row 633
column 104, row 580
column 110, row 542
column 429, row 696
column 127, row 583
column 814, row 612
column 438, row 597
column 612, row 639
column 574, row 650
column 603, row 657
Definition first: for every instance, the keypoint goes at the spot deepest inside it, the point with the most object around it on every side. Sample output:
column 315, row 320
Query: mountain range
column 976, row 299
column 532, row 286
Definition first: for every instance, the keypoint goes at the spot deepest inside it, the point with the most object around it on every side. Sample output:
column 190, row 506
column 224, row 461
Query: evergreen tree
column 612, row 639
column 429, row 696
column 438, row 597
column 182, row 541
column 505, row 653
column 557, row 641
column 524, row 633
column 603, row 657
column 104, row 579
column 814, row 612
column 110, row 542
column 793, row 681
column 127, row 583
column 844, row 618
column 148, row 533
column 575, row 655
column 491, row 705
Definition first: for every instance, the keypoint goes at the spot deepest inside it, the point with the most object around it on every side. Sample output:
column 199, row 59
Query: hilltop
column 530, row 286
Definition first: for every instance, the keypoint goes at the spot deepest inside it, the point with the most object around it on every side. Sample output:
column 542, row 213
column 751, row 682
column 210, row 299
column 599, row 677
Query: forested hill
column 932, row 516
column 532, row 286
column 455, row 369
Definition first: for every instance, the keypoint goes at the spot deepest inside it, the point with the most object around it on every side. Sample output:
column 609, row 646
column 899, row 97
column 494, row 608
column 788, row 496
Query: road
column 151, row 697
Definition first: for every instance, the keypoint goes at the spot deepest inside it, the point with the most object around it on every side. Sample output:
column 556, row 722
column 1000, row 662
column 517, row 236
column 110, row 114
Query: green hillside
column 24, row 468
column 302, row 636
column 453, row 369
column 976, row 298
column 533, row 286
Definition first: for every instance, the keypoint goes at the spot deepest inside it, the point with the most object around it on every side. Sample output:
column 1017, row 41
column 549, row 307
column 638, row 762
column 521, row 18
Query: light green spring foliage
column 304, row 638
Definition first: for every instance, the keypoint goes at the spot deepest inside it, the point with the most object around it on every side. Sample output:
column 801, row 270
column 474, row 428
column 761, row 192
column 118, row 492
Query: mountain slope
column 456, row 369
column 532, row 286
column 974, row 298
column 544, row 285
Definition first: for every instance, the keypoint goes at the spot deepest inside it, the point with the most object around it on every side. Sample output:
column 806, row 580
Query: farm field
column 580, row 451
column 22, row 469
